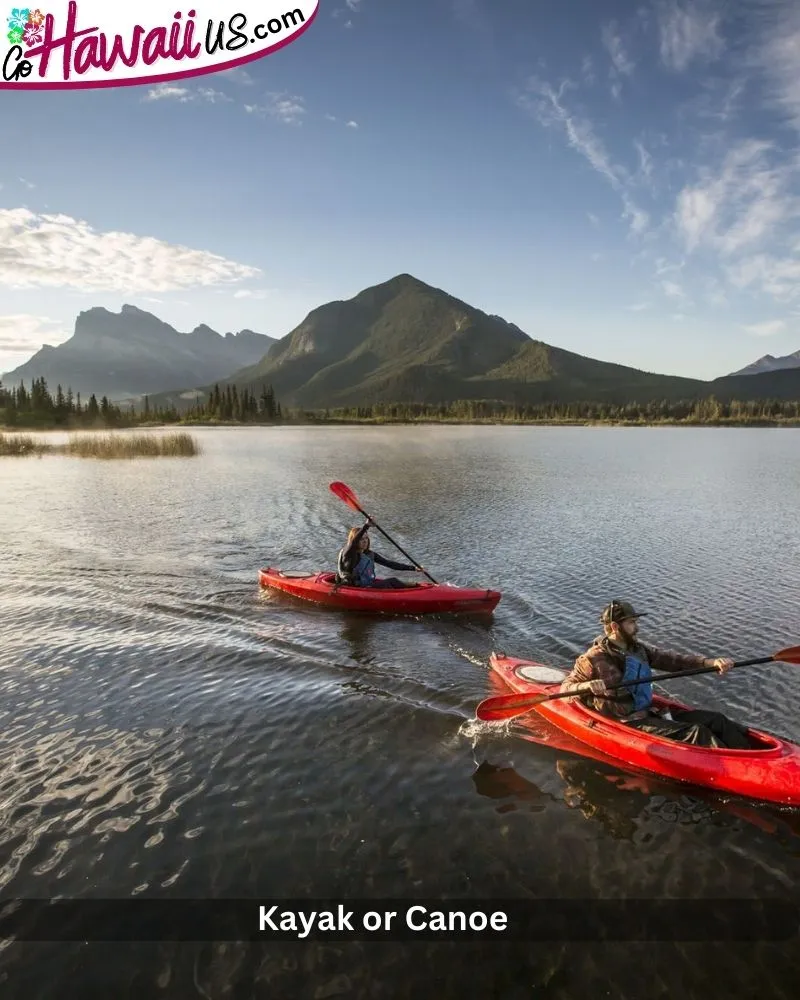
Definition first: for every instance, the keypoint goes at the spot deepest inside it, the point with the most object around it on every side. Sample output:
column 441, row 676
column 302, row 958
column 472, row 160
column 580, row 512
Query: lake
column 167, row 728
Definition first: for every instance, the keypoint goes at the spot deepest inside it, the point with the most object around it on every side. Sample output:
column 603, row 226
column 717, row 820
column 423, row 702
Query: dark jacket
column 349, row 556
column 605, row 660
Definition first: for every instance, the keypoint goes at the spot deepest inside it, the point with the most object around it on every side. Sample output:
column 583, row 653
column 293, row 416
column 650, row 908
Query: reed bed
column 105, row 446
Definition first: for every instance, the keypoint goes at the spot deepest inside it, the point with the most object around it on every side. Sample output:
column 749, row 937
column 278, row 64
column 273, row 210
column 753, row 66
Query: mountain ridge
column 132, row 352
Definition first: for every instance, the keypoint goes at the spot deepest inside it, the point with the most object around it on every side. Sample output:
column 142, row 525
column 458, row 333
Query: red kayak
column 769, row 772
column 421, row 599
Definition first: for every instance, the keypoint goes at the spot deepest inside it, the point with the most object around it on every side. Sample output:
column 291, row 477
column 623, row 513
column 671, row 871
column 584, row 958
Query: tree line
column 699, row 411
column 37, row 406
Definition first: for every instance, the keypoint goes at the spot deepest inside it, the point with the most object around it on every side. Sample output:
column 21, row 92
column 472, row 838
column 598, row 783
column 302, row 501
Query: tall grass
column 178, row 445
column 19, row 445
column 108, row 446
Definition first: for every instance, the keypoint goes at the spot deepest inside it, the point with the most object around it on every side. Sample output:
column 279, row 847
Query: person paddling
column 618, row 655
column 356, row 563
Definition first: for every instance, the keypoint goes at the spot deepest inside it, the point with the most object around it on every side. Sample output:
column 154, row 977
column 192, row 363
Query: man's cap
column 618, row 611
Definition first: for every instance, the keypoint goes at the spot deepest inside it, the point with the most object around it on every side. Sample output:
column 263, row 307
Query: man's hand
column 597, row 687
column 722, row 664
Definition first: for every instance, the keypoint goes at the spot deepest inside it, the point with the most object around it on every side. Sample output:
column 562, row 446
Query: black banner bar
column 399, row 920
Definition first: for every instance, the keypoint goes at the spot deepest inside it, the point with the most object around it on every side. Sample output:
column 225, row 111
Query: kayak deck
column 416, row 598
column 768, row 771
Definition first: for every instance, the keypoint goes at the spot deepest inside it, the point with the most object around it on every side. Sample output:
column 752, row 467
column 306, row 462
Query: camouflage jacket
column 605, row 660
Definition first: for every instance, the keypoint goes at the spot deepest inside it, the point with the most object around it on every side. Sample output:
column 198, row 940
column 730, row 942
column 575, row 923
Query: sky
column 618, row 178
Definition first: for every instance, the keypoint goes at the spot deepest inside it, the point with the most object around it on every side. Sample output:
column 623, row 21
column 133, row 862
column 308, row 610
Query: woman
column 356, row 563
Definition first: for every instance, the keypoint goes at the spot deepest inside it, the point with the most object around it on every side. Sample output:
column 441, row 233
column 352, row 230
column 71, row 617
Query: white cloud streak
column 25, row 333
column 779, row 61
column 286, row 108
column 612, row 41
column 186, row 95
column 689, row 32
column 546, row 105
column 60, row 251
column 740, row 205
column 767, row 329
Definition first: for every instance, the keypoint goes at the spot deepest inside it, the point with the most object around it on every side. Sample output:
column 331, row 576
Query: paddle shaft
column 389, row 537
column 657, row 678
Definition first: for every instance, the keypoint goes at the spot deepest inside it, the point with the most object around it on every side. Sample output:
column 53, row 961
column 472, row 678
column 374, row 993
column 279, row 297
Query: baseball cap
column 618, row 611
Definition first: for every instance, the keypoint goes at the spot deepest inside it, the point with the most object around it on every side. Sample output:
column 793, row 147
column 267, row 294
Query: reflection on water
column 166, row 727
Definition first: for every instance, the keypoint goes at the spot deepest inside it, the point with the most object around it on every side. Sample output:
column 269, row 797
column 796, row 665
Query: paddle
column 343, row 492
column 506, row 706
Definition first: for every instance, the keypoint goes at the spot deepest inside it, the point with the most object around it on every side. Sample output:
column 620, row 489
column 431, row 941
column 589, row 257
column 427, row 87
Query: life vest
column 362, row 574
column 642, row 694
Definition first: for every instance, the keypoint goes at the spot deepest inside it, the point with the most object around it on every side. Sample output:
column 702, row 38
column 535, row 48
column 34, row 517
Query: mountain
column 769, row 363
column 406, row 341
column 126, row 354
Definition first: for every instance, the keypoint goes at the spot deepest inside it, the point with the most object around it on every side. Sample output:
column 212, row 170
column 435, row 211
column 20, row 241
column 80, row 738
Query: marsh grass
column 105, row 446
column 19, row 445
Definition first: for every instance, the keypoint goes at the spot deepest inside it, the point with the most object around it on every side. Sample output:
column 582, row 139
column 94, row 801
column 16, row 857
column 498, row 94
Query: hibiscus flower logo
column 32, row 35
column 25, row 26
column 18, row 20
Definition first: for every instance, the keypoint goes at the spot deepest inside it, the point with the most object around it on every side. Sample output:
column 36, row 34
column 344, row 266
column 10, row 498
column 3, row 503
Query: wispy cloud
column 612, row 41
column 287, row 108
column 28, row 184
column 779, row 60
column 673, row 290
column 547, row 106
column 239, row 75
column 766, row 329
column 251, row 293
column 739, row 204
column 645, row 160
column 22, row 334
column 60, row 251
column 689, row 32
column 638, row 306
column 186, row 95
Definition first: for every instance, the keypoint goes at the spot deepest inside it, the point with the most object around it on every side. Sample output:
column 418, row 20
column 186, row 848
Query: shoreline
column 388, row 422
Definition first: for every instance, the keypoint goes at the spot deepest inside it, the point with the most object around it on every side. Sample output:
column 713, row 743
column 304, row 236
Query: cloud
column 546, row 105
column 285, row 107
column 638, row 306
column 186, row 95
column 351, row 124
column 238, row 75
column 354, row 5
column 60, row 251
column 766, row 329
column 612, row 42
column 251, row 293
column 26, row 333
column 778, row 276
column 28, row 184
column 645, row 160
column 689, row 32
column 673, row 290
column 593, row 218
column 779, row 61
column 745, row 201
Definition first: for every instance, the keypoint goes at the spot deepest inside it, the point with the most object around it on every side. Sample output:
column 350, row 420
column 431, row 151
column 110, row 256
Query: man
column 618, row 656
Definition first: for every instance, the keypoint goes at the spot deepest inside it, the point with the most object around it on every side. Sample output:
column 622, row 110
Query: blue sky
column 620, row 179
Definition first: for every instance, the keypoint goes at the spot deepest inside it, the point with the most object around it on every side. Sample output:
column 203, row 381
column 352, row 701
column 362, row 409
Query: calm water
column 165, row 727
